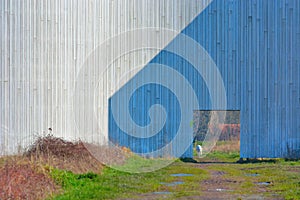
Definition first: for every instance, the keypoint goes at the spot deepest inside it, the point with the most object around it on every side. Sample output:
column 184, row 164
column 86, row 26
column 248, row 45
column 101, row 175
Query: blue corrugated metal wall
column 256, row 46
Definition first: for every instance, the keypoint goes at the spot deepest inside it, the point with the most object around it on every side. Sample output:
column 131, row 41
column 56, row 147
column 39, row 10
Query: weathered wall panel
column 255, row 45
column 46, row 44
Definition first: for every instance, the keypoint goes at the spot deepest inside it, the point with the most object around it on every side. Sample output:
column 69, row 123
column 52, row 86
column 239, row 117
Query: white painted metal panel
column 44, row 45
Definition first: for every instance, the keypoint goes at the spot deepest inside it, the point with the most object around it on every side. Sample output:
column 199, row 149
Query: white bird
column 199, row 150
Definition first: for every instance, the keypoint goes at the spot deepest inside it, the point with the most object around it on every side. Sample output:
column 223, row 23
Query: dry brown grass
column 227, row 146
column 22, row 179
column 27, row 176
column 61, row 154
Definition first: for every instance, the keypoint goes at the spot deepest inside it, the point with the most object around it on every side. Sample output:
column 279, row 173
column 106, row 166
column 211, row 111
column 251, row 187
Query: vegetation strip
column 218, row 175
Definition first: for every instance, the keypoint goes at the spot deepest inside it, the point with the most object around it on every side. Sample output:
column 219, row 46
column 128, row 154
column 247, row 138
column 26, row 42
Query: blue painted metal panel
column 255, row 45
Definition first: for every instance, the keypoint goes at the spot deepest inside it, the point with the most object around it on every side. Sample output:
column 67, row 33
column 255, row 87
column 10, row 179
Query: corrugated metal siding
column 259, row 42
column 255, row 45
column 44, row 46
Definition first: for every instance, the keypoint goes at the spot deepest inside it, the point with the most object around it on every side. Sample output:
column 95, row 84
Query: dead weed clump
column 62, row 154
column 19, row 179
column 27, row 176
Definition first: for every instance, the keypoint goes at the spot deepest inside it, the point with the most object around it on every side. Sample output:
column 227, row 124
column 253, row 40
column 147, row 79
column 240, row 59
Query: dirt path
column 220, row 186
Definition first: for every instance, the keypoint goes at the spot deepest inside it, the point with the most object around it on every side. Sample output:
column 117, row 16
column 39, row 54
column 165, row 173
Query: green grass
column 111, row 183
column 224, row 157
column 284, row 181
column 136, row 164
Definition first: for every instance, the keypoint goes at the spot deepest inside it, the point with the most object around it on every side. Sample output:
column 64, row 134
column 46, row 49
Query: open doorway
column 229, row 138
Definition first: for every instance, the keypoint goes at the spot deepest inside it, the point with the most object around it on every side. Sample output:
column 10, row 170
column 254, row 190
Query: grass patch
column 223, row 151
column 113, row 184
column 136, row 164
column 283, row 177
column 223, row 157
column 284, row 181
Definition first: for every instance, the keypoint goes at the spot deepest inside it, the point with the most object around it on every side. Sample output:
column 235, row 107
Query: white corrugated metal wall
column 44, row 45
